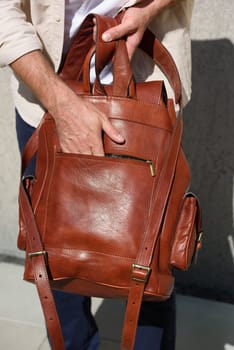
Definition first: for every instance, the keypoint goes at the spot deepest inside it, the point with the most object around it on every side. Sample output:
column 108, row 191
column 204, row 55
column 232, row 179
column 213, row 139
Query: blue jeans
column 156, row 326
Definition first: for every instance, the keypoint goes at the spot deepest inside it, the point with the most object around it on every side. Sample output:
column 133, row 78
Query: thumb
column 112, row 132
column 115, row 33
column 118, row 32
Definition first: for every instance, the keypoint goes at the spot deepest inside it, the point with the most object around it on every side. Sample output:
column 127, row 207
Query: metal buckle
column 144, row 279
column 42, row 252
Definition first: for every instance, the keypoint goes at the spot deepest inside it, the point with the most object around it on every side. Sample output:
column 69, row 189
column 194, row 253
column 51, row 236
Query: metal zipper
column 150, row 162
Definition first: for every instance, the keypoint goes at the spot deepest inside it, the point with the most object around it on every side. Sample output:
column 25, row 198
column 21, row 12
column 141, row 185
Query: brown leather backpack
column 112, row 226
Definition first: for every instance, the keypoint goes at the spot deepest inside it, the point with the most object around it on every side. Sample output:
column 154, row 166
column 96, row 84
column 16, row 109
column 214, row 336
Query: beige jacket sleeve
column 17, row 34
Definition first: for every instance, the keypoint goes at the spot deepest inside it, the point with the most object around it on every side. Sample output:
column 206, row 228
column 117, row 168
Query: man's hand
column 80, row 124
column 134, row 22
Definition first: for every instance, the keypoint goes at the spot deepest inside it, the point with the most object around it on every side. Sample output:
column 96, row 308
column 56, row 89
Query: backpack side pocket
column 188, row 234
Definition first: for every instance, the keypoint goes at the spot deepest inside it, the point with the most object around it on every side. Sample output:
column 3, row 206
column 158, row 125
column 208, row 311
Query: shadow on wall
column 209, row 145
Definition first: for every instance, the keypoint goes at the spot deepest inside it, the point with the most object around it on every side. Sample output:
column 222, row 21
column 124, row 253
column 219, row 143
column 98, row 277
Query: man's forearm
column 35, row 70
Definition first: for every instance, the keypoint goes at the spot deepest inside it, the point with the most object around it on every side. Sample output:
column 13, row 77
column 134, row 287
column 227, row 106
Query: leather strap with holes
column 38, row 259
column 141, row 268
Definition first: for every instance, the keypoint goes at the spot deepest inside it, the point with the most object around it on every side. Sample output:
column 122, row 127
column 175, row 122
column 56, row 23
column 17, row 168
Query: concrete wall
column 208, row 143
column 9, row 169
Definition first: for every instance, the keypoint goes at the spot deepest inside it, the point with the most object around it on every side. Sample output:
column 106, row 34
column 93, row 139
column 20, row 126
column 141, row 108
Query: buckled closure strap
column 41, row 277
column 140, row 270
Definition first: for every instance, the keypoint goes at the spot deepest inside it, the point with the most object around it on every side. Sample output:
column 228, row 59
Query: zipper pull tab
column 152, row 169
